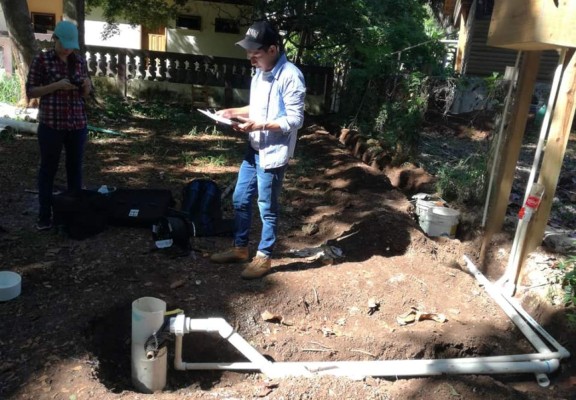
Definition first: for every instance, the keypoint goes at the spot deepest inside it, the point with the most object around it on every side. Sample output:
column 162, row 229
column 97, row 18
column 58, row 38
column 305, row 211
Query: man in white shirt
column 271, row 120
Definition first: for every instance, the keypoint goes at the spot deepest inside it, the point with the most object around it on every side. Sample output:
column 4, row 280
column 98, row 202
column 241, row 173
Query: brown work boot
column 233, row 255
column 259, row 267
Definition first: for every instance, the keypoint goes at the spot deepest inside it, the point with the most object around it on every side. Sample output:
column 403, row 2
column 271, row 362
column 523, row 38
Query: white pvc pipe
column 395, row 368
column 29, row 127
column 508, row 308
column 508, row 280
column 524, row 363
column 148, row 373
column 561, row 350
column 533, row 326
column 540, row 364
column 537, row 363
column 546, row 121
column 182, row 325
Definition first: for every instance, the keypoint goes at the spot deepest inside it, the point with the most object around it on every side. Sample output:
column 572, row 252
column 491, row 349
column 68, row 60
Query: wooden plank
column 558, row 137
column 462, row 40
column 533, row 24
column 510, row 151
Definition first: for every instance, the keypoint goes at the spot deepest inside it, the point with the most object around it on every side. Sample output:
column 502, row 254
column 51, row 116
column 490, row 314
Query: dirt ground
column 67, row 336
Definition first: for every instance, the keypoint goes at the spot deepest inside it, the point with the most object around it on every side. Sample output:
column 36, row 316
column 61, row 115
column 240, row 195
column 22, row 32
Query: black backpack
column 173, row 231
column 200, row 215
column 202, row 202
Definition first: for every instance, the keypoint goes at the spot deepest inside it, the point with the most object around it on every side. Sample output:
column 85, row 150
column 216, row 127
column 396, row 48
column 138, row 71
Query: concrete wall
column 48, row 7
column 183, row 93
column 207, row 41
column 128, row 38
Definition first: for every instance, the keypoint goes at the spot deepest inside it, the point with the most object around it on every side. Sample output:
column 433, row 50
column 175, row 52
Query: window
column 224, row 25
column 43, row 22
column 193, row 22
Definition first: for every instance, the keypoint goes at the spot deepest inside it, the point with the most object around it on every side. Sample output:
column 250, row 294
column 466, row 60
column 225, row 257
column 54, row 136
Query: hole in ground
column 109, row 336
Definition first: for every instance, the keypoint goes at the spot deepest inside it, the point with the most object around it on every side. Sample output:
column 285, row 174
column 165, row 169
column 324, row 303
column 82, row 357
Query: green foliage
column 187, row 158
column 7, row 135
column 161, row 111
column 193, row 131
column 150, row 13
column 568, row 267
column 190, row 159
column 380, row 48
column 463, row 182
column 9, row 89
column 213, row 130
column 398, row 121
column 214, row 161
column 116, row 107
column 365, row 35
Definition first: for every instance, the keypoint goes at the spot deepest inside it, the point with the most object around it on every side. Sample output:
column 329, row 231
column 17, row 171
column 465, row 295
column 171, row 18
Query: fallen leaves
column 415, row 315
column 274, row 318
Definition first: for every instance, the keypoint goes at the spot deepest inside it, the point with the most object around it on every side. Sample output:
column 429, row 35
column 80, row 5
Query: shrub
column 463, row 182
column 9, row 89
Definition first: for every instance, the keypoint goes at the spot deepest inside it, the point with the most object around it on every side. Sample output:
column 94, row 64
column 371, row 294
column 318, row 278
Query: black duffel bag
column 81, row 213
column 139, row 207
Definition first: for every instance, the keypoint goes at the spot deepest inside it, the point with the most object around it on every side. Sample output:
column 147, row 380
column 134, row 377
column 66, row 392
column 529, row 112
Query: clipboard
column 218, row 118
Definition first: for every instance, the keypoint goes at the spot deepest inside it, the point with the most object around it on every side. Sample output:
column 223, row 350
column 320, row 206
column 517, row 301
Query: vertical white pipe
column 148, row 375
column 546, row 121
column 514, row 261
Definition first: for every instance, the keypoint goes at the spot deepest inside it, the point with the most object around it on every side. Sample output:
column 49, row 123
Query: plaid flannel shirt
column 62, row 109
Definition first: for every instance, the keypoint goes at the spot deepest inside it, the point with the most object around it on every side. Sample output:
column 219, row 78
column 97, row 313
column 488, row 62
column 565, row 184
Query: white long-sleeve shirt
column 277, row 96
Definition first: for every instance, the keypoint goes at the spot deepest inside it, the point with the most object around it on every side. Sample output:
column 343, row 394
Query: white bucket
column 438, row 221
column 423, row 206
column 10, row 285
column 148, row 374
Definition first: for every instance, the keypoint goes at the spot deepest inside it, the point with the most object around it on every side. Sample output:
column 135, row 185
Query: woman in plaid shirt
column 60, row 79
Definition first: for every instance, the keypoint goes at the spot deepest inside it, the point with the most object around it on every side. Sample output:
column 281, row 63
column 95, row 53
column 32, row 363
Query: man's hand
column 248, row 125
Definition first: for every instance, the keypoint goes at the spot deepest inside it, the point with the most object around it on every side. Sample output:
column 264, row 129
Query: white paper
column 218, row 118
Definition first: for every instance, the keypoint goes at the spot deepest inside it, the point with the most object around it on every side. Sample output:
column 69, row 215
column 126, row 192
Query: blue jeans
column 51, row 142
column 267, row 183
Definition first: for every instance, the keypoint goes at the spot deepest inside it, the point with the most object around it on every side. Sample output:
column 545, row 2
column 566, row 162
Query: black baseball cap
column 260, row 34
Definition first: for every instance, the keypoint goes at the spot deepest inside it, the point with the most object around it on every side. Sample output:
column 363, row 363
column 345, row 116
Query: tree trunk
column 24, row 46
column 74, row 11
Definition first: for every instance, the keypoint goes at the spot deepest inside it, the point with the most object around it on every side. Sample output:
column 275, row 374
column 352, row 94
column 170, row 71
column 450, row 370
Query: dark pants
column 51, row 142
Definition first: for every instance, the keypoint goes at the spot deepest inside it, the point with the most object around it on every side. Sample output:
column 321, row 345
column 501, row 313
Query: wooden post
column 562, row 118
column 510, row 152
